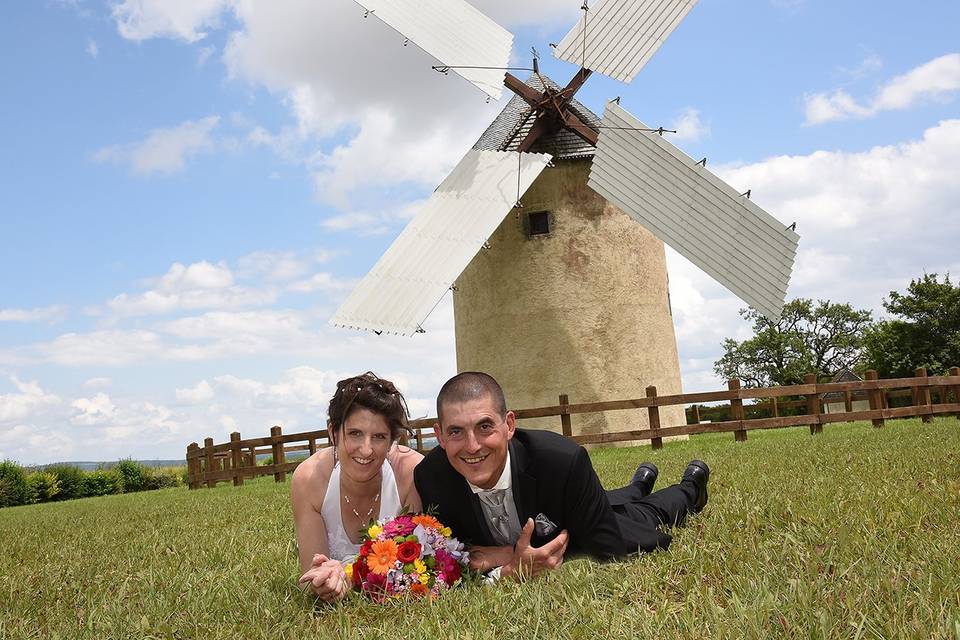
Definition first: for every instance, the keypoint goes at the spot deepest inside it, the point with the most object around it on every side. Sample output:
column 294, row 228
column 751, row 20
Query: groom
column 525, row 499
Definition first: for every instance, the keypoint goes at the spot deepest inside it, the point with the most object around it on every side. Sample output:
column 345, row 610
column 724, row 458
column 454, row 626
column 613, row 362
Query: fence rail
column 928, row 396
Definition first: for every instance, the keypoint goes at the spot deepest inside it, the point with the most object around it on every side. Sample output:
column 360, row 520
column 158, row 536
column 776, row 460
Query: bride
column 364, row 475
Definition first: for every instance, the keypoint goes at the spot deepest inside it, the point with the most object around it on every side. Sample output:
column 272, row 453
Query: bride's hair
column 369, row 392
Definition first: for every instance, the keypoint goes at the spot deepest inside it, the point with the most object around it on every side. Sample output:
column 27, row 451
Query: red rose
column 360, row 571
column 452, row 573
column 407, row 552
column 365, row 548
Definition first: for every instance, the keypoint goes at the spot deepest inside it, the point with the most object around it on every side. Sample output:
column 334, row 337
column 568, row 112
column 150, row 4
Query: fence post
column 236, row 459
column 418, row 434
column 564, row 416
column 874, row 396
column 278, row 455
column 736, row 410
column 696, row 414
column 813, row 404
column 312, row 445
column 193, row 465
column 653, row 412
column 955, row 372
column 208, row 467
column 922, row 394
column 776, row 407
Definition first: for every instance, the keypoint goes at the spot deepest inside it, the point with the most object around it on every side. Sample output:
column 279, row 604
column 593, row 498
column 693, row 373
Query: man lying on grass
column 526, row 500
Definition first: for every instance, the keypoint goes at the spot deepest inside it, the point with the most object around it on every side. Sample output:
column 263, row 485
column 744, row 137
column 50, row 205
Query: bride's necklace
column 373, row 505
column 350, row 503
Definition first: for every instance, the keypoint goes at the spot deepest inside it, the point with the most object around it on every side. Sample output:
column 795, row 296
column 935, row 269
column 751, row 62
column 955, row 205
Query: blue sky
column 190, row 188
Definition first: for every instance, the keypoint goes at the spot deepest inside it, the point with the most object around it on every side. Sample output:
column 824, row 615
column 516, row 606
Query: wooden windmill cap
column 516, row 119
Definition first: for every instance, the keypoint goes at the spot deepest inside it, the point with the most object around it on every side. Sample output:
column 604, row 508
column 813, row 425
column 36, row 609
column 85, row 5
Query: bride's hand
column 327, row 579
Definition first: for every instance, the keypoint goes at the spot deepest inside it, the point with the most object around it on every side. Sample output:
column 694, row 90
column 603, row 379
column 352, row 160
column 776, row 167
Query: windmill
column 569, row 294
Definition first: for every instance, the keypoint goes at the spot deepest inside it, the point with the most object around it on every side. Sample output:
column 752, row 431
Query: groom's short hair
column 471, row 385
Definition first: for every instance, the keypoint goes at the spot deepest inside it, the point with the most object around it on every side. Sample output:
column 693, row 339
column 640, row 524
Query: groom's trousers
column 667, row 507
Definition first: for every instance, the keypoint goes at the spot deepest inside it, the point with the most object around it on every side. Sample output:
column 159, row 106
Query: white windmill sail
column 455, row 33
column 733, row 240
column 437, row 245
column 622, row 35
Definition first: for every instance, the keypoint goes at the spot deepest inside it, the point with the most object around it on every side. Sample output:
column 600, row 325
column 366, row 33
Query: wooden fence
column 928, row 396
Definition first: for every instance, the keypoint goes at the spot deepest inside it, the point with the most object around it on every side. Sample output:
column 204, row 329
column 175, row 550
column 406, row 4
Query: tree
column 819, row 338
column 926, row 334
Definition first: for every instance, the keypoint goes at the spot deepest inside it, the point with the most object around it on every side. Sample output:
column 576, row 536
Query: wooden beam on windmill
column 551, row 109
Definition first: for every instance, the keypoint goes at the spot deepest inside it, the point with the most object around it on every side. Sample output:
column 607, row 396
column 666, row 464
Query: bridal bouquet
column 409, row 554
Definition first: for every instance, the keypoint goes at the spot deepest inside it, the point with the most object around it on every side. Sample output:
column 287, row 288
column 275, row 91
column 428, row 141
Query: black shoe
column 698, row 473
column 645, row 477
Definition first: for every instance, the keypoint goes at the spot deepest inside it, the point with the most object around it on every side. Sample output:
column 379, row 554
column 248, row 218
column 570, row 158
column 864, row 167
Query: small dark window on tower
column 538, row 223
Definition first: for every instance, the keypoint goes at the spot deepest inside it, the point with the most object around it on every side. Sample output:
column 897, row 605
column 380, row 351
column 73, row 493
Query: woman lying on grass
column 365, row 475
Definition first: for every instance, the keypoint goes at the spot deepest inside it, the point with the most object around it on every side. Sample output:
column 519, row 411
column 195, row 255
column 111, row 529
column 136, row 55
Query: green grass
column 853, row 533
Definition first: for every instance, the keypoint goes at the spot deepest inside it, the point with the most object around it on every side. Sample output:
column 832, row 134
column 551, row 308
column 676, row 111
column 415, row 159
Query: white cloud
column 97, row 383
column 198, row 394
column 870, row 64
column 245, row 325
column 31, row 398
column 201, row 285
column 204, row 55
column 281, row 266
column 164, row 151
column 199, row 275
column 92, row 49
column 689, row 127
column 373, row 223
column 321, row 282
column 180, row 19
column 96, row 348
column 49, row 314
column 300, row 386
column 94, row 411
column 938, row 79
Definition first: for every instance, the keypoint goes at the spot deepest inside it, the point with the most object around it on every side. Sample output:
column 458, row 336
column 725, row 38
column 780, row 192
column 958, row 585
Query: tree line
column 24, row 485
column 823, row 337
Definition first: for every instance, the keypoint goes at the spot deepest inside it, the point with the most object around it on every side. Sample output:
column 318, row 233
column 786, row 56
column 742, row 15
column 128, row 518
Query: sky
column 189, row 188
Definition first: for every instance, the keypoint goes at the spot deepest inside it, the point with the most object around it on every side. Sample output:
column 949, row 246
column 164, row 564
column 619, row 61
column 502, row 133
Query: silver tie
column 497, row 511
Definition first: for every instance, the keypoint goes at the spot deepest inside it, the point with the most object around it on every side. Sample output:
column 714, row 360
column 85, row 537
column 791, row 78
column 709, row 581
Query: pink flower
column 399, row 526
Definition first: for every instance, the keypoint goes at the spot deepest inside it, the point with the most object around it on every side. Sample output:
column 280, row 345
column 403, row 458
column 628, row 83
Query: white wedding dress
column 338, row 542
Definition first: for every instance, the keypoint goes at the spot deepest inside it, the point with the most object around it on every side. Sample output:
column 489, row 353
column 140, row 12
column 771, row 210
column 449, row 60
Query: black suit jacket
column 553, row 476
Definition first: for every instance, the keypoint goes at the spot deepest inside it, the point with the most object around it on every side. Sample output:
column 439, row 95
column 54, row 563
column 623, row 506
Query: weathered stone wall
column 584, row 310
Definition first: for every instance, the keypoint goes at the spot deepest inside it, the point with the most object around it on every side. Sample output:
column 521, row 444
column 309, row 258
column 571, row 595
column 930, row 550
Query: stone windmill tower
column 556, row 287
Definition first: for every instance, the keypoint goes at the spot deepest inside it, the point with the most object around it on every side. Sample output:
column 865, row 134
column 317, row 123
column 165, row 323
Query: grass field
column 853, row 533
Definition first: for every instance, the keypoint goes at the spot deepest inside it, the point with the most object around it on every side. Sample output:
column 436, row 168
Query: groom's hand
column 528, row 562
column 484, row 559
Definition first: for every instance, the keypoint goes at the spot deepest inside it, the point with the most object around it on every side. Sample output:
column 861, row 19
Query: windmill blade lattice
column 622, row 35
column 704, row 219
column 453, row 32
column 437, row 245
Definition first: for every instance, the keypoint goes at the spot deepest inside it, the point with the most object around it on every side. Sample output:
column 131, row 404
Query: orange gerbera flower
column 382, row 557
column 427, row 522
column 418, row 589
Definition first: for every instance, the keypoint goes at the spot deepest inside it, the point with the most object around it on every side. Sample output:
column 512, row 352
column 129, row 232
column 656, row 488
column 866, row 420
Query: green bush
column 42, row 486
column 163, row 478
column 13, row 485
column 132, row 475
column 71, row 480
column 102, row 483
column 266, row 462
